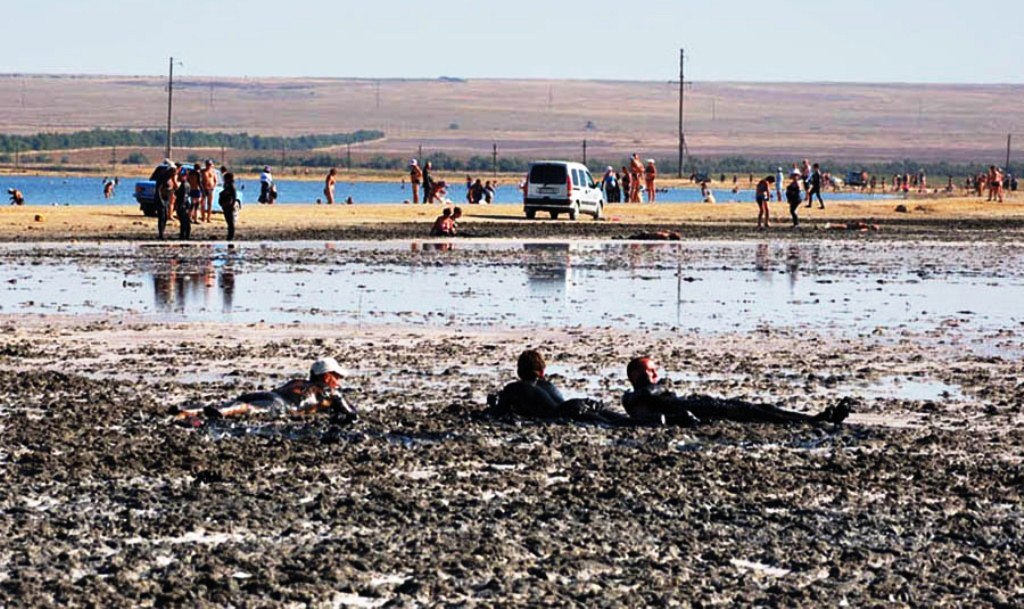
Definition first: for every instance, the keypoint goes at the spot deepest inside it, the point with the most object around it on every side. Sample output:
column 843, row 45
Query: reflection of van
column 561, row 187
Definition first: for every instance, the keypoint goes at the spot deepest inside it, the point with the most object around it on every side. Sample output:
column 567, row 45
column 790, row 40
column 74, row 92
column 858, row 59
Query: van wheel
column 600, row 211
column 531, row 214
column 554, row 215
column 574, row 211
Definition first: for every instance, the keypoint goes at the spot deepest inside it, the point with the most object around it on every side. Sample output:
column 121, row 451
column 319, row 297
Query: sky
column 918, row 41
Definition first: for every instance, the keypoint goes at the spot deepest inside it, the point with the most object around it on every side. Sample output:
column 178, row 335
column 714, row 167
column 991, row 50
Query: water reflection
column 548, row 268
column 185, row 285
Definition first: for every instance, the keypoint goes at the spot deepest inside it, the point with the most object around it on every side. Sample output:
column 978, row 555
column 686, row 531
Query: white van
column 561, row 187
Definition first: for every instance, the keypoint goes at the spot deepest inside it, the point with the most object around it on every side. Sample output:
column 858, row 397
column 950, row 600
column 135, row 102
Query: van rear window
column 547, row 174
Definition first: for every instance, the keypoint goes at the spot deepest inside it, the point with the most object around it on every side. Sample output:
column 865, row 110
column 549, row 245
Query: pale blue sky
column 784, row 40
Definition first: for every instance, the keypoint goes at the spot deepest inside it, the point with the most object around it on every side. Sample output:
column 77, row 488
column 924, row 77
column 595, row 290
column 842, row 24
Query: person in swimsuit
column 208, row 181
column 182, row 207
column 329, row 185
column 650, row 173
column 16, row 197
column 650, row 402
column 195, row 193
column 296, row 398
column 636, row 171
column 415, row 179
column 762, row 195
column 534, row 397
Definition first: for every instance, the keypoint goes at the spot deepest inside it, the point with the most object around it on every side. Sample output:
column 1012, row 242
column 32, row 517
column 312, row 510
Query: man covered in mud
column 650, row 402
column 296, row 398
column 534, row 397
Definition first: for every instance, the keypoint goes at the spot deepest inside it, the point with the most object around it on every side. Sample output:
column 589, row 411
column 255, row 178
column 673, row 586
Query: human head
column 334, row 171
column 229, row 178
column 530, row 365
column 326, row 370
column 209, row 162
column 641, row 372
column 457, row 212
column 413, row 163
column 770, row 179
column 447, row 211
column 815, row 166
column 650, row 161
column 266, row 168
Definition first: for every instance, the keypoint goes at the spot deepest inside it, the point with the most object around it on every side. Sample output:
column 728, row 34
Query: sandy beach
column 924, row 218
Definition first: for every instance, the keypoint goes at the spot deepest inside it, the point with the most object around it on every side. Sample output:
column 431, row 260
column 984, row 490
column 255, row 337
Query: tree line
column 106, row 138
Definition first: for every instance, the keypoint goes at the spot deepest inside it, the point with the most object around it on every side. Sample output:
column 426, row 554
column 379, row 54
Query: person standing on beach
column 636, row 171
column 626, row 185
column 428, row 183
column 650, row 173
column 778, row 184
column 208, row 183
column 195, row 193
column 814, row 186
column 266, row 183
column 415, row 178
column 329, row 185
column 182, row 207
column 165, row 187
column 794, row 196
column 229, row 203
column 762, row 195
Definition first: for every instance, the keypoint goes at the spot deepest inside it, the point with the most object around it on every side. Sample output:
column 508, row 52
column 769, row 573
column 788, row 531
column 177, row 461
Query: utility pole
column 170, row 97
column 348, row 155
column 682, row 97
column 1006, row 167
column 113, row 159
column 584, row 151
column 494, row 159
column 222, row 163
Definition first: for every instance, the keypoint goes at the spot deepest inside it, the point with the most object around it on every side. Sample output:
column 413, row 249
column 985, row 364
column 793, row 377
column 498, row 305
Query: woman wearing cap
column 296, row 398
column 266, row 182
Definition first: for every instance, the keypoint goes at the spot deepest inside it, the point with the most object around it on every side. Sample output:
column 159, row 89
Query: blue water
column 39, row 190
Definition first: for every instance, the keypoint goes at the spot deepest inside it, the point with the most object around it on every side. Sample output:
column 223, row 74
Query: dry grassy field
column 534, row 118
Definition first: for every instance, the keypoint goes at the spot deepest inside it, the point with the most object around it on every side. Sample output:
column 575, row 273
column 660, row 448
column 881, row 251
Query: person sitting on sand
column 16, row 197
column 534, row 397
column 445, row 224
column 651, row 402
column 296, row 398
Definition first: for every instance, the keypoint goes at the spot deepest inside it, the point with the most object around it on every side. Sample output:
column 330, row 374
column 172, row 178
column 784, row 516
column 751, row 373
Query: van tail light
column 526, row 188
column 568, row 186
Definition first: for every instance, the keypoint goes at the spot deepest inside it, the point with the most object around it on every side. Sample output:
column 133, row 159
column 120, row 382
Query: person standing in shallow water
column 229, row 203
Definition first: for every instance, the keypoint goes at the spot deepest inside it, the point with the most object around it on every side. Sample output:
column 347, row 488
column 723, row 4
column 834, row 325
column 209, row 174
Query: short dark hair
column 530, row 365
column 635, row 366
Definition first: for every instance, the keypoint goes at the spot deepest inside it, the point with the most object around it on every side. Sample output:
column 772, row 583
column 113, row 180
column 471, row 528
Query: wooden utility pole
column 584, row 151
column 682, row 98
column 1006, row 167
column 170, row 96
column 494, row 159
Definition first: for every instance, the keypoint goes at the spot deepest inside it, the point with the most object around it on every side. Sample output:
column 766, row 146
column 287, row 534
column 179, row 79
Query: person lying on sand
column 655, row 235
column 651, row 402
column 296, row 398
column 534, row 397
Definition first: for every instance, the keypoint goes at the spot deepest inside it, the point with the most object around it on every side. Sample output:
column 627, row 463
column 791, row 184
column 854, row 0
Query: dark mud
column 916, row 502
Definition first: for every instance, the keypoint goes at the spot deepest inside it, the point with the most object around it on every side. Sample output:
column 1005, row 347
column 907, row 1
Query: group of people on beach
column 186, row 195
column 626, row 185
column 434, row 191
column 805, row 183
column 532, row 396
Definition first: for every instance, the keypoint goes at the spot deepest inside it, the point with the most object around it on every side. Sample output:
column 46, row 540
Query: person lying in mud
column 534, row 397
column 296, row 398
column 650, row 402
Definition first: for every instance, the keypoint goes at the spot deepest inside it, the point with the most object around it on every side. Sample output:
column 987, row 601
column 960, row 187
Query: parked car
column 559, row 187
column 146, row 195
column 856, row 178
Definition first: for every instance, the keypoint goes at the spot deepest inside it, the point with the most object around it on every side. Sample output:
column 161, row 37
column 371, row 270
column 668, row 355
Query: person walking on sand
column 650, row 402
column 182, row 206
column 814, row 186
column 229, row 203
column 329, row 185
column 208, row 184
column 762, row 195
column 650, row 173
column 415, row 179
column 794, row 196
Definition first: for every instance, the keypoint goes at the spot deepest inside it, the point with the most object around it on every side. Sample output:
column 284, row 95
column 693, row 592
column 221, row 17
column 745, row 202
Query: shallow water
column 76, row 190
column 714, row 287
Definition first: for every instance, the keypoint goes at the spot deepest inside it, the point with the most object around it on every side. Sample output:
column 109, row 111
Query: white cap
column 325, row 365
column 412, row 162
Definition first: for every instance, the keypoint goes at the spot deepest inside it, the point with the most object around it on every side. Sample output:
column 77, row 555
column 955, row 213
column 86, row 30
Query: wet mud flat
column 916, row 501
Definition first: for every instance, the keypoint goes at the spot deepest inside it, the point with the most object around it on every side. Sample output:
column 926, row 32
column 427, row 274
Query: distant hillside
column 535, row 118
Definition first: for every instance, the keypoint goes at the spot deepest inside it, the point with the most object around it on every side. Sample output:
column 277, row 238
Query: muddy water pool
column 711, row 287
